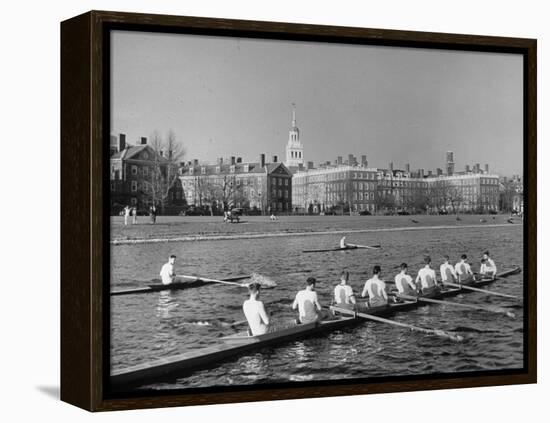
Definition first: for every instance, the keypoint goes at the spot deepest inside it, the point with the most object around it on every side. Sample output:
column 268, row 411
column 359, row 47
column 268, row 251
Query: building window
column 134, row 170
column 134, row 186
column 145, row 171
column 203, row 170
column 133, row 200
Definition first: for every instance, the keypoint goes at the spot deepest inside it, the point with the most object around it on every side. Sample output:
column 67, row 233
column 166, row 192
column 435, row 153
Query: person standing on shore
column 153, row 214
column 126, row 215
column 134, row 215
column 168, row 273
column 254, row 311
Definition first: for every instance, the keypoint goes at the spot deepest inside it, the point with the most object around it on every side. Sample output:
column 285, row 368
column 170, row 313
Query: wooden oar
column 199, row 278
column 372, row 247
column 485, row 291
column 450, row 303
column 437, row 332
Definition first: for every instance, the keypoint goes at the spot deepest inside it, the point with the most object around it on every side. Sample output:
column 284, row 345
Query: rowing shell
column 238, row 344
column 347, row 247
column 181, row 283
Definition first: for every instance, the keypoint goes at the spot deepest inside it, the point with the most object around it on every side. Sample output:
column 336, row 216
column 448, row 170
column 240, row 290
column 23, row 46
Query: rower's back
column 255, row 313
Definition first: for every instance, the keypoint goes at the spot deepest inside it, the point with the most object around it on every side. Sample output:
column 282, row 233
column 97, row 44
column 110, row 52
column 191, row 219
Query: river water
column 151, row 326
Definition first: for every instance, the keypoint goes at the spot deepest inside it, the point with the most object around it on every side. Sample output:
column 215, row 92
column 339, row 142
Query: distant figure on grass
column 273, row 217
column 254, row 311
column 343, row 242
column 343, row 293
column 426, row 277
column 404, row 282
column 126, row 215
column 376, row 288
column 153, row 214
column 488, row 266
column 448, row 273
column 309, row 309
column 167, row 272
column 134, row 215
column 463, row 270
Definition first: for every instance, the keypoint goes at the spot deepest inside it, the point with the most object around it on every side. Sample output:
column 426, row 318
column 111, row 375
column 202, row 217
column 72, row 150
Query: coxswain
column 167, row 272
column 376, row 288
column 254, row 311
column 343, row 293
column 463, row 270
column 343, row 242
column 404, row 282
column 448, row 273
column 426, row 277
column 307, row 303
column 488, row 266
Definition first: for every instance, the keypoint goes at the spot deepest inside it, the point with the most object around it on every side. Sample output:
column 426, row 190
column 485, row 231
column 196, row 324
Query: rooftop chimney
column 220, row 160
column 121, row 142
column 390, row 166
column 195, row 162
column 351, row 159
column 232, row 160
column 262, row 160
column 239, row 160
column 439, row 171
column 143, row 140
column 430, row 173
column 310, row 165
column 408, row 168
column 364, row 160
column 339, row 160
column 486, row 168
column 467, row 168
column 274, row 159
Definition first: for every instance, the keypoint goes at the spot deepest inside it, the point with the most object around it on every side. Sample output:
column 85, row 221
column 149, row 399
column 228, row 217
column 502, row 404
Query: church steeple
column 294, row 147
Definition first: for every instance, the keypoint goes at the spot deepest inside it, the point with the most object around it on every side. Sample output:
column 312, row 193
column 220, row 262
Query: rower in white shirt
column 426, row 277
column 254, row 311
column 343, row 242
column 343, row 293
column 376, row 288
column 167, row 272
column 488, row 266
column 307, row 303
column 463, row 270
column 448, row 273
column 404, row 282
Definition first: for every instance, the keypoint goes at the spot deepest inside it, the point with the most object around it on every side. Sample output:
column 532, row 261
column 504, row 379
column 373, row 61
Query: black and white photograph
column 295, row 212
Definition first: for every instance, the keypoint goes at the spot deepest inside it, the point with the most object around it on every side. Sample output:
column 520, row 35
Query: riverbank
column 195, row 228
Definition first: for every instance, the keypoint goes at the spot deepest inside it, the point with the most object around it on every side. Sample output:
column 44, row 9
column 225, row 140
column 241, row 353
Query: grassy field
column 170, row 227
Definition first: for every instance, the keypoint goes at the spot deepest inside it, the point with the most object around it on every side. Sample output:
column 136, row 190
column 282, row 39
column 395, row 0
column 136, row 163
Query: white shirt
column 308, row 304
column 426, row 277
column 257, row 318
column 462, row 268
column 167, row 273
column 488, row 267
column 447, row 272
column 404, row 284
column 376, row 289
column 343, row 294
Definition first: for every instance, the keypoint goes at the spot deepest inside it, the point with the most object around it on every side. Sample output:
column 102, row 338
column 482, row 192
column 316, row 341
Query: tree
column 164, row 167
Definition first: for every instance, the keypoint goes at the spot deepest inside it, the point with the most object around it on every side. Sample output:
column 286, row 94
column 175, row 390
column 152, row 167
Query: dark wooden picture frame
column 85, row 227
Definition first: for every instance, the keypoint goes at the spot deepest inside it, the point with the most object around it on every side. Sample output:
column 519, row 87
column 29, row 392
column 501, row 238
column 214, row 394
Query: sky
column 225, row 96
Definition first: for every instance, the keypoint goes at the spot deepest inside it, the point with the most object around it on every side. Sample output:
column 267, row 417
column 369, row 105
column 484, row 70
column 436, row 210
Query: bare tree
column 164, row 166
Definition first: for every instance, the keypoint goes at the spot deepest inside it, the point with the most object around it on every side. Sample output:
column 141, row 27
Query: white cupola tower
column 294, row 147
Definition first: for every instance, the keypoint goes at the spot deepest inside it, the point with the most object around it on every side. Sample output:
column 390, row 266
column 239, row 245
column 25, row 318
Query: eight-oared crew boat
column 241, row 343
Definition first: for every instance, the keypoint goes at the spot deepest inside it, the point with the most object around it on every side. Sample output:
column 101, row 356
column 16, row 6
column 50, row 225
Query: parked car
column 403, row 213
column 365, row 213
